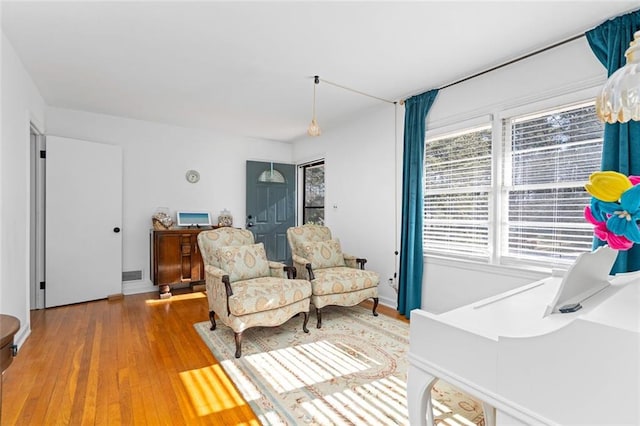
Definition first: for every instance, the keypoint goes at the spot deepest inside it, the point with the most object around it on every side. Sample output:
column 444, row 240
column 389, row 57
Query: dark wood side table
column 176, row 259
column 9, row 326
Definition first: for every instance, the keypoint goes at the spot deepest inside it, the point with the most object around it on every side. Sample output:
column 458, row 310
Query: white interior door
column 83, row 219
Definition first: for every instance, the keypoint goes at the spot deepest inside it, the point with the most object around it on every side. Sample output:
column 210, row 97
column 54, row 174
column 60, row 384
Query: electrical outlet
column 392, row 284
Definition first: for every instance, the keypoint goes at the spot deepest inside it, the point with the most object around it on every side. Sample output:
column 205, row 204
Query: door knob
column 116, row 229
column 249, row 221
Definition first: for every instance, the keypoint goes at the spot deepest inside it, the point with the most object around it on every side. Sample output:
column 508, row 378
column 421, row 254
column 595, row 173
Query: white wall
column 360, row 179
column 21, row 103
column 156, row 158
column 361, row 163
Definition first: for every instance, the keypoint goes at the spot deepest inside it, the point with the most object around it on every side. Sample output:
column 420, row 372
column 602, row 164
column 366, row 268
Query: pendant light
column 619, row 100
column 314, row 129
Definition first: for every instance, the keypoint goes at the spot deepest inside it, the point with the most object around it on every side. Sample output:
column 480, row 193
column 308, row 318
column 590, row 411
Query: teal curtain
column 411, row 253
column 621, row 148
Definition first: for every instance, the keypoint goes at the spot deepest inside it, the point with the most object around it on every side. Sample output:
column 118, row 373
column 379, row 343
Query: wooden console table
column 176, row 259
column 9, row 326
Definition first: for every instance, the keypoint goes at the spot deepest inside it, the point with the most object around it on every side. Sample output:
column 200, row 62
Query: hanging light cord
column 317, row 80
column 352, row 90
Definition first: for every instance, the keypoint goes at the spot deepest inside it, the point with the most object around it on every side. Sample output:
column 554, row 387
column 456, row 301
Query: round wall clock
column 192, row 176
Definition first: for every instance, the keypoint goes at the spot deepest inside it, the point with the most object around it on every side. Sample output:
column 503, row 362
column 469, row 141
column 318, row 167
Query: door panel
column 271, row 206
column 83, row 220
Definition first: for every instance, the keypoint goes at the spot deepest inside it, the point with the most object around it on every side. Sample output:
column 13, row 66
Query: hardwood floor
column 137, row 360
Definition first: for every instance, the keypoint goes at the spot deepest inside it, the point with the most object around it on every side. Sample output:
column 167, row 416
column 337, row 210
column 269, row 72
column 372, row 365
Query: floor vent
column 131, row 275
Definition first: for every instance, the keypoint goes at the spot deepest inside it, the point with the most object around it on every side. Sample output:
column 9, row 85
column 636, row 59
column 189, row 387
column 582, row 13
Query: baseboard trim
column 21, row 337
column 138, row 287
column 388, row 302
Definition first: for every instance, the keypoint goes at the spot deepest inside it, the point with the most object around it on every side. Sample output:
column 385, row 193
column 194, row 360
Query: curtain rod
column 512, row 61
column 518, row 59
column 478, row 74
column 528, row 55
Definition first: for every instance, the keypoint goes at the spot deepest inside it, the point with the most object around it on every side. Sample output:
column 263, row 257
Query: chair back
column 299, row 235
column 209, row 241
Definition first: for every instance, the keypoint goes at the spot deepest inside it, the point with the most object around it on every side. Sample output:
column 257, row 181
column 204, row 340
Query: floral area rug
column 352, row 371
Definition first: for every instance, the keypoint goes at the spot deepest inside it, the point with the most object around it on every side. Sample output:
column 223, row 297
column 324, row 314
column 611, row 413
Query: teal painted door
column 271, row 200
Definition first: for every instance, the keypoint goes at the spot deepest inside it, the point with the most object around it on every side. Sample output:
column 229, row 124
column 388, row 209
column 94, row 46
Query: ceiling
column 247, row 68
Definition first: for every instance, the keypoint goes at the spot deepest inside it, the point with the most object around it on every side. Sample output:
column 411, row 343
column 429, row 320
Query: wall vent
column 131, row 275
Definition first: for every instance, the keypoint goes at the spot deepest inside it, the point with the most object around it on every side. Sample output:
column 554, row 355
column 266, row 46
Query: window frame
column 498, row 219
column 303, row 180
column 478, row 123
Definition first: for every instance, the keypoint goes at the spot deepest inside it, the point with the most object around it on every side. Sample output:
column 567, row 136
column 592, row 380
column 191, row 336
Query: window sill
column 534, row 272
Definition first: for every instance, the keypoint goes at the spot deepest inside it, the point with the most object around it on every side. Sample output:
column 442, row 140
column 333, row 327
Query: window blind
column 548, row 158
column 457, row 190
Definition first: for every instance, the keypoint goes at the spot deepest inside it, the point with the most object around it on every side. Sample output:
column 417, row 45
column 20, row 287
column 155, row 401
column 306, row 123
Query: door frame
column 302, row 186
column 37, row 191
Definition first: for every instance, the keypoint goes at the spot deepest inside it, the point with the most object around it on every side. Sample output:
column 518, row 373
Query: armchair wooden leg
column 238, row 337
column 212, row 318
column 319, row 316
column 304, row 324
column 375, row 306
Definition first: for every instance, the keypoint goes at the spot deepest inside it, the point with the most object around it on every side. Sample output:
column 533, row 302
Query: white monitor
column 198, row 219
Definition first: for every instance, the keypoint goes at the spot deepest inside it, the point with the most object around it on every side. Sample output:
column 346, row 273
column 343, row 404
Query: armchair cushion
column 323, row 254
column 266, row 293
column 209, row 241
column 243, row 262
column 300, row 235
column 342, row 280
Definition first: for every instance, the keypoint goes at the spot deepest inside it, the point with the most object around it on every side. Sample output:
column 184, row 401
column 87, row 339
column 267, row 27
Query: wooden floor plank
column 137, row 360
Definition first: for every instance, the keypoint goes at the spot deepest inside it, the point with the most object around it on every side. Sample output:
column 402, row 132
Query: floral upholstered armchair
column 246, row 290
column 336, row 278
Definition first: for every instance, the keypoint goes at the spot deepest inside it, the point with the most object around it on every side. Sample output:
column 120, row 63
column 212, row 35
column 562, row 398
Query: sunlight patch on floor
column 210, row 390
column 456, row 420
column 380, row 402
column 295, row 367
column 446, row 416
column 247, row 388
column 439, row 408
column 270, row 418
column 177, row 298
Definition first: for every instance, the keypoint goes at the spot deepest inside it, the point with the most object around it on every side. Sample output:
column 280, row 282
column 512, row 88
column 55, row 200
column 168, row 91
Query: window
column 533, row 209
column 313, row 199
column 457, row 189
column 548, row 158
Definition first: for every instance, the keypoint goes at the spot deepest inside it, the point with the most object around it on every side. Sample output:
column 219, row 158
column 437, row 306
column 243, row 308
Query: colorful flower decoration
column 615, row 208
